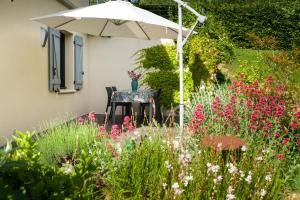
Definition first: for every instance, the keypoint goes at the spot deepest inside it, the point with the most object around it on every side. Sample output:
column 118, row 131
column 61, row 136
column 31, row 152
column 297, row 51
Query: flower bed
column 155, row 163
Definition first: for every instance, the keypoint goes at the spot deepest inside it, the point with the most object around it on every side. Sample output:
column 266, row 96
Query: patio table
column 128, row 96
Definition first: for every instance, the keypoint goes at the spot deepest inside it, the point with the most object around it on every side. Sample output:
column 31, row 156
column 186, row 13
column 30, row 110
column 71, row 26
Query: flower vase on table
column 134, row 80
column 134, row 85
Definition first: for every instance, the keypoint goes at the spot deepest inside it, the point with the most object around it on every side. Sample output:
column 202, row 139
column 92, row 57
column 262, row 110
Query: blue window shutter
column 78, row 62
column 54, row 59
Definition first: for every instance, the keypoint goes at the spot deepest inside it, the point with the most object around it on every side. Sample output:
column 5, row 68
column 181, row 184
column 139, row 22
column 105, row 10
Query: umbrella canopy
column 114, row 18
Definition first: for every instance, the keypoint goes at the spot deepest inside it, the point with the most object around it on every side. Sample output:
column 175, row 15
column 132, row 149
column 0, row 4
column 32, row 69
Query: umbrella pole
column 180, row 51
column 180, row 44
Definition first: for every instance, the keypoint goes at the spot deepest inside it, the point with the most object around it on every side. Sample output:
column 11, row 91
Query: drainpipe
column 68, row 4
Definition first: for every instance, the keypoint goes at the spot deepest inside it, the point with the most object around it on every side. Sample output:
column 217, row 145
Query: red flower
column 102, row 129
column 80, row 120
column 277, row 134
column 280, row 157
column 294, row 126
column 285, row 140
column 98, row 136
column 298, row 115
column 298, row 141
column 270, row 80
column 113, row 150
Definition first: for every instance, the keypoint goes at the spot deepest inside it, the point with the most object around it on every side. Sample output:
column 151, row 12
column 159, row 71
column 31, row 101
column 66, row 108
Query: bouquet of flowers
column 133, row 75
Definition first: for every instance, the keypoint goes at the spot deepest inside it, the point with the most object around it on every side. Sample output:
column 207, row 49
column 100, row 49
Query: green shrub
column 161, row 57
column 161, row 64
column 169, row 83
column 203, row 58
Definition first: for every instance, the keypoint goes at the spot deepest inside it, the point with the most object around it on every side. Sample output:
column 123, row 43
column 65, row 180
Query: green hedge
column 278, row 19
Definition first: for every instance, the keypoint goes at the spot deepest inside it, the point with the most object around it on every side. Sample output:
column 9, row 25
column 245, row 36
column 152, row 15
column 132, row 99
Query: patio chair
column 114, row 88
column 125, row 105
column 156, row 97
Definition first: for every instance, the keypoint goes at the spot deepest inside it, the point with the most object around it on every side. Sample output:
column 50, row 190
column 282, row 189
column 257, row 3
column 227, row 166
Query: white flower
column 119, row 148
column 218, row 179
column 249, row 177
column 265, row 151
column 230, row 197
column 242, row 173
column 168, row 165
column 263, row 193
column 212, row 168
column 230, row 189
column 164, row 185
column 202, row 87
column 176, row 144
column 184, row 159
column 215, row 168
column 219, row 145
column 260, row 158
column 269, row 178
column 232, row 169
column 244, row 148
column 175, row 186
column 187, row 179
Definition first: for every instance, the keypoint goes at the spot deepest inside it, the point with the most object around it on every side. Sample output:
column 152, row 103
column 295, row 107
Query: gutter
column 68, row 4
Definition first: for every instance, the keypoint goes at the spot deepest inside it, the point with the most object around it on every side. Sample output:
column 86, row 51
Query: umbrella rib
column 172, row 30
column 64, row 23
column 103, row 28
column 142, row 30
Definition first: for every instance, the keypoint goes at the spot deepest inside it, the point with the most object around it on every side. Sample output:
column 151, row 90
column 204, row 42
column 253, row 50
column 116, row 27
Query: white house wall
column 25, row 100
column 109, row 61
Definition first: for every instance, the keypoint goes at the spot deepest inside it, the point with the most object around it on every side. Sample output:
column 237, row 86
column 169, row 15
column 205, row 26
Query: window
column 65, row 61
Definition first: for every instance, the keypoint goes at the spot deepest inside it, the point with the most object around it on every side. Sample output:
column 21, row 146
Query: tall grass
column 65, row 140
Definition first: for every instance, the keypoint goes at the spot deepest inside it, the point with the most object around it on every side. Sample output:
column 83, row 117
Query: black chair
column 125, row 106
column 156, row 97
column 114, row 88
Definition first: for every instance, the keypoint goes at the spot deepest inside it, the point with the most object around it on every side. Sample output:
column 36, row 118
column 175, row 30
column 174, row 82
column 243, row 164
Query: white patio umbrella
column 114, row 18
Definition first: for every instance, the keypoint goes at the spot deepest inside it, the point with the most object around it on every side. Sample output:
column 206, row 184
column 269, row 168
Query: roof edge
column 68, row 4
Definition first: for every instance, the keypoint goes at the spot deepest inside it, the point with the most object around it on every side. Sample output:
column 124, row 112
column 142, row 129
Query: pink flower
column 298, row 141
column 115, row 126
column 126, row 120
column 115, row 131
column 277, row 134
column 102, row 129
column 80, row 120
column 131, row 127
column 92, row 116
